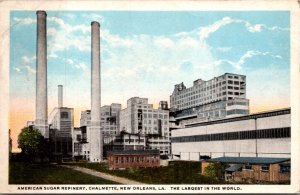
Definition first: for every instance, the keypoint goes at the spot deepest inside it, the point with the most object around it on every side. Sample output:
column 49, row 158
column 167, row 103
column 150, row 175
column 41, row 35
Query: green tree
column 216, row 170
column 32, row 143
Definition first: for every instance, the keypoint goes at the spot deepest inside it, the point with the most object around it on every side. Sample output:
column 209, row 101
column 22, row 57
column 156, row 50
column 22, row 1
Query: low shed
column 253, row 169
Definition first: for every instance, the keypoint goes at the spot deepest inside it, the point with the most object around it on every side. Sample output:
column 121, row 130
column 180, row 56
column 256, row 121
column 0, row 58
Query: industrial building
column 77, row 142
column 265, row 134
column 253, row 169
column 109, row 126
column 221, row 97
column 141, row 118
column 109, row 121
column 62, row 118
column 61, row 125
column 133, row 159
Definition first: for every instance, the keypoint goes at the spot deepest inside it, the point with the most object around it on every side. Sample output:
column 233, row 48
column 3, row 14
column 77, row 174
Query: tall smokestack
column 41, row 122
column 60, row 96
column 96, row 146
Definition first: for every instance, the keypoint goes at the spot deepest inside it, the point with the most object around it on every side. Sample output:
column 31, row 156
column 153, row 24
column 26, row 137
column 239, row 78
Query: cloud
column 24, row 21
column 205, row 32
column 30, row 70
column 224, row 49
column 115, row 40
column 81, row 66
column 94, row 17
column 28, row 60
column 51, row 32
column 66, row 36
column 18, row 70
column 71, row 16
column 52, row 55
column 70, row 61
column 246, row 56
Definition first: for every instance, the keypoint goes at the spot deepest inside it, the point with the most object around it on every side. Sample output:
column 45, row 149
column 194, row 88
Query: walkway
column 106, row 176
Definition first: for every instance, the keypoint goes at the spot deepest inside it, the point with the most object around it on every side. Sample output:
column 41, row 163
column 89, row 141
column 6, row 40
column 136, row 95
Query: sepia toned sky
column 146, row 53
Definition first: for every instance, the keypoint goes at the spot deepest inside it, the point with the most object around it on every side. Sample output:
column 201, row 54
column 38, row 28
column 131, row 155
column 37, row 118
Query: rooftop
column 250, row 160
column 134, row 152
column 246, row 117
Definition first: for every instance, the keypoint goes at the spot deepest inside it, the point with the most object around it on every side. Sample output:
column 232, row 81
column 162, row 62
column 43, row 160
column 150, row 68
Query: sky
column 145, row 53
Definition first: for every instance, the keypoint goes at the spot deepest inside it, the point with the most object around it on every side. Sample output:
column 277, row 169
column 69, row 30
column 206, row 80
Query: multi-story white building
column 266, row 134
column 109, row 125
column 141, row 118
column 77, row 140
column 221, row 97
column 110, row 119
column 62, row 120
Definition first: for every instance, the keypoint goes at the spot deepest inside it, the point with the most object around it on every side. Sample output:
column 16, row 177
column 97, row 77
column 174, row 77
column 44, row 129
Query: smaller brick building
column 133, row 159
column 253, row 169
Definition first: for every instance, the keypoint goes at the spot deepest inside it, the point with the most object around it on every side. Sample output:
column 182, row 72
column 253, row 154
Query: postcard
column 149, row 96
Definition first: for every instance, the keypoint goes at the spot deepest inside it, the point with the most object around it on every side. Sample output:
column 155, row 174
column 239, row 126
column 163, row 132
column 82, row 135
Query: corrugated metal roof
column 250, row 160
column 234, row 168
column 240, row 118
column 134, row 152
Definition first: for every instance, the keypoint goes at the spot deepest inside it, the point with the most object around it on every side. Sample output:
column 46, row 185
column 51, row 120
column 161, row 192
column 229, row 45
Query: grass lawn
column 21, row 173
column 178, row 172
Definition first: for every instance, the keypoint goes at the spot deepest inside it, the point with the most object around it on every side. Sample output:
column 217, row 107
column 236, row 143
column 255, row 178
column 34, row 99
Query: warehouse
column 265, row 134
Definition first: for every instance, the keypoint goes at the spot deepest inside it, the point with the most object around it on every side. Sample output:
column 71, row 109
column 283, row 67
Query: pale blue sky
column 146, row 53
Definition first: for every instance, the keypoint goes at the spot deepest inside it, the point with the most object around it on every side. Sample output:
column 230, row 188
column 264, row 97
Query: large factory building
column 266, row 134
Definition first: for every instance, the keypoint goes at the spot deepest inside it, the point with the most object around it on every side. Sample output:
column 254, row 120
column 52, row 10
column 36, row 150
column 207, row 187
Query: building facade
column 266, row 134
column 141, row 118
column 253, row 169
column 62, row 119
column 110, row 119
column 109, row 126
column 77, row 140
column 133, row 159
column 221, row 97
column 109, row 122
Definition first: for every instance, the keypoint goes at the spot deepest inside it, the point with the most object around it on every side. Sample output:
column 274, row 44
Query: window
column 264, row 168
column 285, row 168
column 64, row 115
column 248, row 167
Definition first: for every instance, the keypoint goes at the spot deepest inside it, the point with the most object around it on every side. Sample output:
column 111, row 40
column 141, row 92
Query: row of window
column 285, row 168
column 160, row 116
column 238, row 103
column 221, row 112
column 204, row 87
column 238, row 111
column 238, row 135
column 254, row 116
column 132, row 159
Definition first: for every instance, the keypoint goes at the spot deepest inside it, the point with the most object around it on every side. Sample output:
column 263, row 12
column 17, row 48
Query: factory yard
column 178, row 172
column 22, row 173
column 98, row 173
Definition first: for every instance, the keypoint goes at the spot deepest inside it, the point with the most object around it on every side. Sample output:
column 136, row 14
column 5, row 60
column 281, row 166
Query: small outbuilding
column 253, row 169
column 133, row 159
